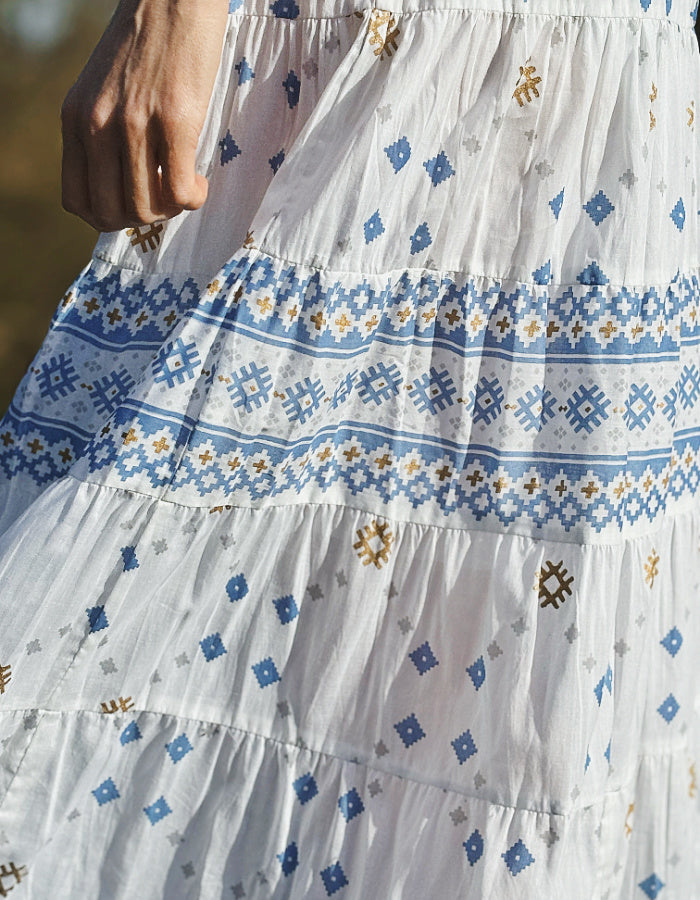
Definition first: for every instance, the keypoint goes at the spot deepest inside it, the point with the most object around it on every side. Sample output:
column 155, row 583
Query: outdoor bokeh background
column 43, row 46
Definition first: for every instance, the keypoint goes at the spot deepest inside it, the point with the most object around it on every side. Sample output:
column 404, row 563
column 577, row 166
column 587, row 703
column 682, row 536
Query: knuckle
column 97, row 120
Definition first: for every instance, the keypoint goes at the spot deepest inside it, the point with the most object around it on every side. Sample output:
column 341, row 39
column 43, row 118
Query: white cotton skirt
column 349, row 526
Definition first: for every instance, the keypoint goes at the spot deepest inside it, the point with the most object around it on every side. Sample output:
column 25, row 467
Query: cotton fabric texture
column 350, row 528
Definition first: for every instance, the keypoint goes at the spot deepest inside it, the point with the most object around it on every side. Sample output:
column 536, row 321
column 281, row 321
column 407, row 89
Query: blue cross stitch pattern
column 351, row 804
column 423, row 658
column 266, row 672
column 289, row 858
column 106, row 792
column 334, row 878
column 464, row 746
column 672, row 641
column 477, row 672
column 652, row 886
column 97, row 618
column 439, row 168
column 474, row 845
column 130, row 734
column 305, row 788
column 287, row 610
column 518, row 857
column 598, row 207
column 409, row 730
column 669, row 708
column 399, row 153
column 158, row 810
column 237, row 587
column 212, row 646
column 179, row 748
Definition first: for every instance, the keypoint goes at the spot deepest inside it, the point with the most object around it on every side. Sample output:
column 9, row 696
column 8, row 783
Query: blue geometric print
column 287, row 609
column 439, row 168
column 409, row 730
column 433, row 391
column 158, row 810
column 484, row 484
column 131, row 733
column 518, row 857
column 587, row 408
column 351, row 804
column 477, row 672
column 245, row 73
column 179, row 748
column 652, row 886
column 292, row 86
column 108, row 392
column 464, row 746
column 420, row 239
column 266, row 672
column 556, row 203
column 423, row 658
column 57, row 377
column 303, row 399
column 598, row 207
column 276, row 160
column 289, row 858
column 678, row 214
column 672, row 641
column 535, row 408
column 669, row 708
column 97, row 618
column 380, row 382
column 373, row 227
column 176, row 363
column 106, row 792
column 639, row 406
column 486, row 400
column 212, row 646
column 129, row 560
column 285, row 9
column 305, row 788
column 399, row 153
column 474, row 845
column 229, row 149
column 250, row 386
column 688, row 386
column 333, row 878
column 237, row 587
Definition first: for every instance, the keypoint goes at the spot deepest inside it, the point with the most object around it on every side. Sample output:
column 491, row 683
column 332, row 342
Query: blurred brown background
column 43, row 46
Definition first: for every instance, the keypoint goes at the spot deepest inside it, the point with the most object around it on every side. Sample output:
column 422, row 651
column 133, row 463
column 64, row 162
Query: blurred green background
column 43, row 46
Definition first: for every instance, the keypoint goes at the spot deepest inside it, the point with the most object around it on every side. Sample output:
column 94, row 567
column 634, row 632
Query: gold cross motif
column 530, row 84
column 147, row 240
column 651, row 567
column 378, row 19
column 5, row 677
column 374, row 543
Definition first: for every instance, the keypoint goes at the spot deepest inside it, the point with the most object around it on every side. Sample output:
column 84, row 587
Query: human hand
column 132, row 120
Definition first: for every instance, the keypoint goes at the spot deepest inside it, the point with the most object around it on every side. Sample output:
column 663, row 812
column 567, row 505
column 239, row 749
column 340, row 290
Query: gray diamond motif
column 493, row 650
column 458, row 816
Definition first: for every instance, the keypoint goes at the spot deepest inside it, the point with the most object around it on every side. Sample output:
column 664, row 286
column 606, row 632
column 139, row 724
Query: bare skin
column 132, row 120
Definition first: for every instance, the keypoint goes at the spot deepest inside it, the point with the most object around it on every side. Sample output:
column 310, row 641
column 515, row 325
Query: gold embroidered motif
column 553, row 587
column 129, row 436
column 530, row 84
column 16, row 872
column 5, row 677
column 213, row 287
column 692, row 788
column 628, row 827
column 248, row 242
column 651, row 568
column 123, row 704
column 691, row 113
column 147, row 240
column 377, row 20
column 374, row 543
column 652, row 96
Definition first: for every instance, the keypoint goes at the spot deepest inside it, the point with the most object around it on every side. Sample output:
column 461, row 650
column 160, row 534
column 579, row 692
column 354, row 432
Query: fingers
column 118, row 174
column 181, row 186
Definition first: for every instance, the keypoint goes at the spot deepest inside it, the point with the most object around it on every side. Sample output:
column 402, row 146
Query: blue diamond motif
column 212, row 646
column 673, row 641
column 399, row 153
column 587, row 408
column 598, row 207
column 409, row 730
column 535, row 408
column 333, row 878
column 158, row 810
column 245, row 73
column 289, row 859
column 678, row 214
column 688, row 386
column 373, row 227
column 305, row 787
column 229, row 149
column 285, row 9
column 106, row 792
column 592, row 274
column 129, row 558
column 423, row 658
column 669, row 708
column 651, row 886
column 420, row 239
column 439, row 168
column 287, row 609
column 292, row 86
column 266, row 672
column 518, row 857
column 130, row 733
column 556, row 203
column 477, row 672
column 237, row 587
column 97, row 618
column 543, row 275
column 178, row 748
column 588, row 761
column 474, row 845
column 351, row 804
column 606, row 754
column 464, row 746
column 276, row 161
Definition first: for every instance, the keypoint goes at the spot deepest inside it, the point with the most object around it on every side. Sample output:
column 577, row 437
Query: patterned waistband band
column 681, row 13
